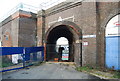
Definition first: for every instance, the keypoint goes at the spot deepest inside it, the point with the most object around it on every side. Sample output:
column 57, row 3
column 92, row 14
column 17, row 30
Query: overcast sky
column 7, row 5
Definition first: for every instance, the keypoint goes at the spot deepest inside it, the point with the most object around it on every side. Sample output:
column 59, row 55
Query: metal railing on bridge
column 13, row 58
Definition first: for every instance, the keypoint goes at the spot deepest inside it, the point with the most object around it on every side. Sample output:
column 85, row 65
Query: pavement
column 48, row 71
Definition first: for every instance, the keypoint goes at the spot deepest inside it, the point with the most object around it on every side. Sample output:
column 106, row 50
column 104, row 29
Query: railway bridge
column 84, row 24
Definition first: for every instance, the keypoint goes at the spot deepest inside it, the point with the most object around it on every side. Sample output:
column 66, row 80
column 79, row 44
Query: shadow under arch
column 68, row 30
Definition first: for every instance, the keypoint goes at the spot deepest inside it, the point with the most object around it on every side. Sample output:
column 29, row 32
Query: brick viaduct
column 82, row 23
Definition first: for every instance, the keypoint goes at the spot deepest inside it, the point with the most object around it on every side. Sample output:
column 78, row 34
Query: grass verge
column 101, row 72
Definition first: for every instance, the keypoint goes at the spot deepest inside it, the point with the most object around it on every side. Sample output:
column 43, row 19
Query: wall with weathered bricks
column 84, row 16
column 24, row 29
column 19, row 30
column 27, row 32
column 91, row 17
column 105, row 11
column 6, row 33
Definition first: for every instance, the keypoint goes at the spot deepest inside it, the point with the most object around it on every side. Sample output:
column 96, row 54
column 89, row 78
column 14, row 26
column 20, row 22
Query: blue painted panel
column 29, row 50
column 0, row 51
column 16, row 68
column 20, row 50
column 11, row 50
column 27, row 56
column 113, row 52
column 35, row 56
column 43, row 55
column 33, row 49
column 12, row 69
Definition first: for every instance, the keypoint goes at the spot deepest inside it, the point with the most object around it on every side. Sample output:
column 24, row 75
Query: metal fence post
column 23, row 57
column 42, row 55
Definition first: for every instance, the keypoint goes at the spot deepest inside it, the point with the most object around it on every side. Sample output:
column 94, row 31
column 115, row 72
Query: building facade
column 82, row 23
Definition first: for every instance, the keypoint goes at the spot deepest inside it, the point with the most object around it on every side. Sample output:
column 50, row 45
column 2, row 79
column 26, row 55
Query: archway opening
column 62, row 48
column 60, row 35
column 112, row 43
column 62, row 41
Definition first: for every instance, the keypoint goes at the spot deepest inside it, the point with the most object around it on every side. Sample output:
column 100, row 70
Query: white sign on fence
column 15, row 59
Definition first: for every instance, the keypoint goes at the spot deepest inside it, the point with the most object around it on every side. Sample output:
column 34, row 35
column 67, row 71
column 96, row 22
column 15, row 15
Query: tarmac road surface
column 48, row 71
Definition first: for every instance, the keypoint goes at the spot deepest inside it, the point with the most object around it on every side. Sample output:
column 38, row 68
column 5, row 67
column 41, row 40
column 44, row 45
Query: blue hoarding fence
column 27, row 54
column 11, row 50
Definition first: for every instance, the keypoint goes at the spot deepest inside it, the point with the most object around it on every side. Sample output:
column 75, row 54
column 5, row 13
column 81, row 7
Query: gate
column 13, row 58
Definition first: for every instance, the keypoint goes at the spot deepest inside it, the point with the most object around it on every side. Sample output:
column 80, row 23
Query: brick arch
column 103, row 29
column 67, row 23
column 74, row 37
column 111, row 15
